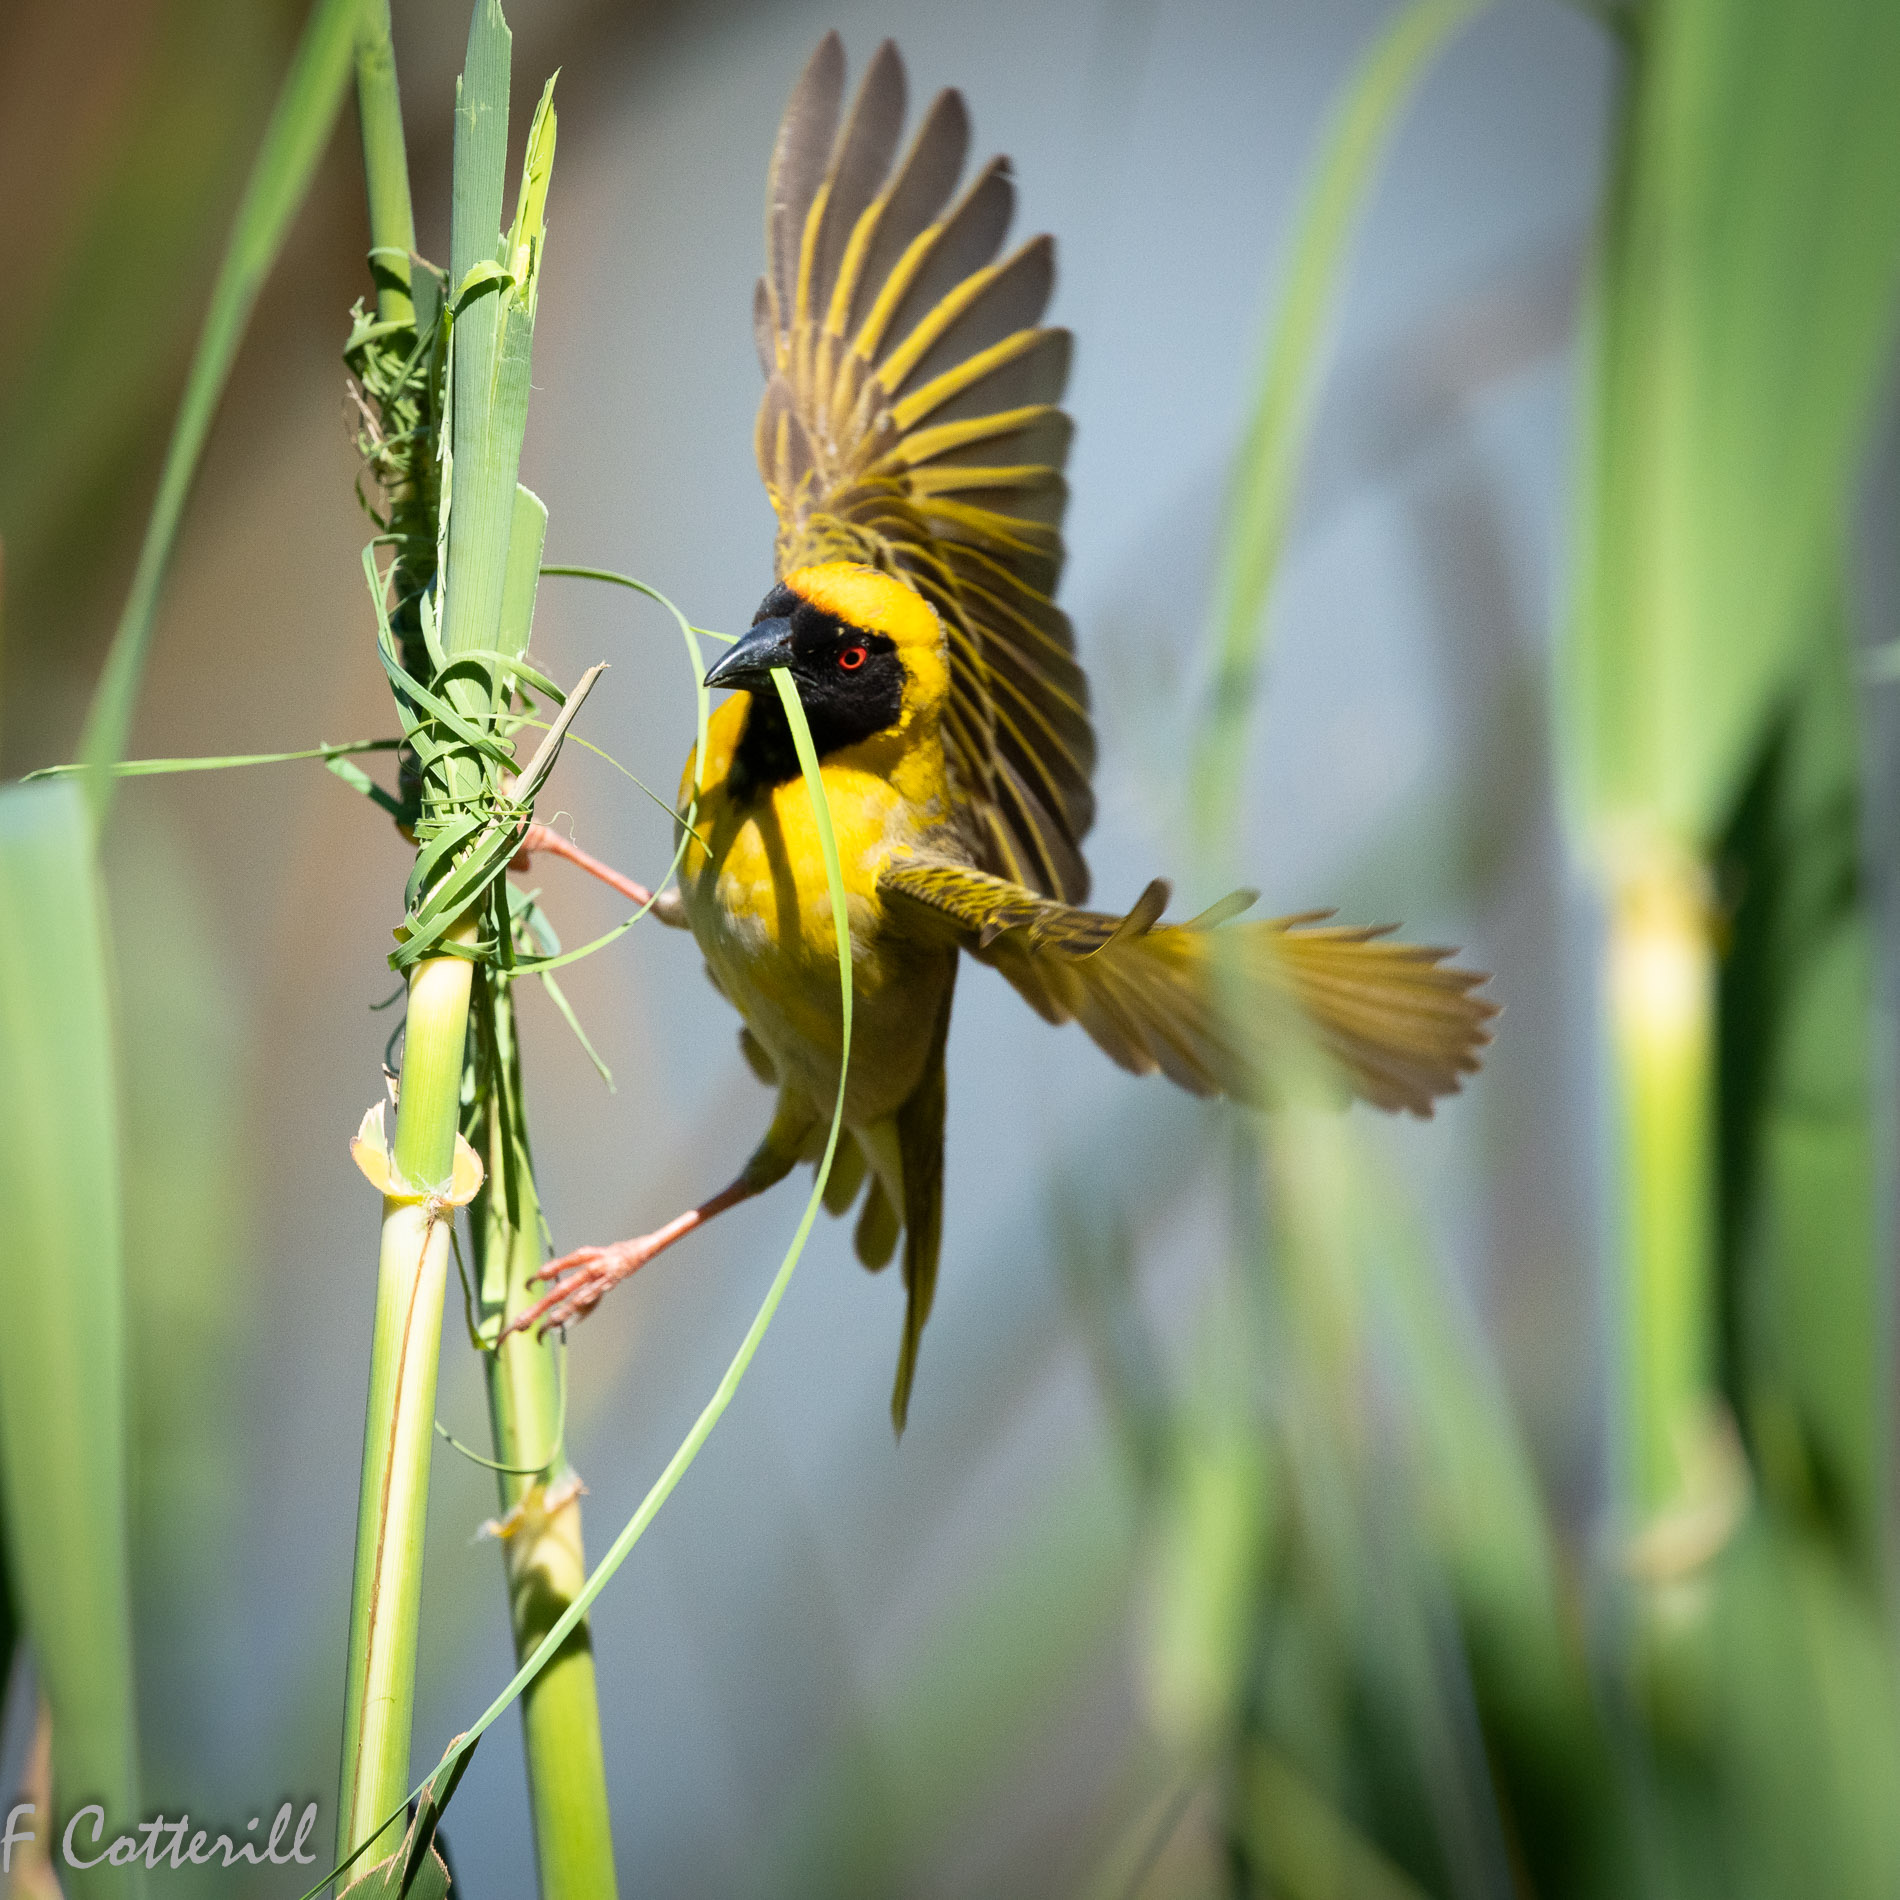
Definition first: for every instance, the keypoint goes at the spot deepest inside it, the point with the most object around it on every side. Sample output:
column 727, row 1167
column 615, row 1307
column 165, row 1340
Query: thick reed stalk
column 1662, row 1025
column 541, row 1515
column 413, row 1259
column 399, row 1435
column 454, row 786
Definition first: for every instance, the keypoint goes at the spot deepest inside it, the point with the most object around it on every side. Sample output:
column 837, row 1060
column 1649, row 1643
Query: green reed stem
column 542, row 1545
column 483, row 601
column 1662, row 1028
column 412, row 1270
column 399, row 1433
column 392, row 223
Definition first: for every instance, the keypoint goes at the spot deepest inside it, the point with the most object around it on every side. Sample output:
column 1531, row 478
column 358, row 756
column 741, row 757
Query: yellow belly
column 760, row 909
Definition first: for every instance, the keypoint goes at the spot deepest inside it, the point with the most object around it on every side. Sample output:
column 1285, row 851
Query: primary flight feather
column 912, row 442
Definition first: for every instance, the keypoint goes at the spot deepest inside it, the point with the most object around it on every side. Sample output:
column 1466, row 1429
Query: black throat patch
column 850, row 683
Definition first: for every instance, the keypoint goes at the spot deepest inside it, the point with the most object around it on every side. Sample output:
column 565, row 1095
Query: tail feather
column 920, row 1139
column 1400, row 1022
column 846, row 1177
column 877, row 1230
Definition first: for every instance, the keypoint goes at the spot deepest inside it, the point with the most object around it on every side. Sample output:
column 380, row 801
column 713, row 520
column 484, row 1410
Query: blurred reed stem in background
column 1364, row 1640
column 1739, row 328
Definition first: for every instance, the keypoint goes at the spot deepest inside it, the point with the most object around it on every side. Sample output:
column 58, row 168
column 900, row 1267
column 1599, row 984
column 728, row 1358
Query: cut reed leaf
column 493, row 336
column 527, row 531
column 690, row 634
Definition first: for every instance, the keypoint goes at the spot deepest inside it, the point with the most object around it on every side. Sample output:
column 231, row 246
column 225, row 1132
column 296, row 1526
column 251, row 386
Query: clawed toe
column 577, row 1280
column 576, row 1283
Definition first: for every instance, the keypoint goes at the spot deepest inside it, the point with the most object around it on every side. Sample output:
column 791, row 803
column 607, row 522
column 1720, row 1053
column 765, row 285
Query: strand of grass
column 607, row 758
column 487, row 1463
column 539, row 966
column 690, row 1447
column 558, row 997
column 1265, row 473
column 154, row 768
column 688, row 633
column 540, row 1500
column 293, row 143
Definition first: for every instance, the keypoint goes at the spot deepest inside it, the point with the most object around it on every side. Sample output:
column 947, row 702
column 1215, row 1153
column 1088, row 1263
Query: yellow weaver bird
column 912, row 443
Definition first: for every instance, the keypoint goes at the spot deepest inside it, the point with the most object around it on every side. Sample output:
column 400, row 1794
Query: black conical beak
column 750, row 663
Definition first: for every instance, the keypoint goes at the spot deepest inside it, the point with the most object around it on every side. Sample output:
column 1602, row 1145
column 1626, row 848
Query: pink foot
column 539, row 839
column 578, row 1279
column 577, row 1282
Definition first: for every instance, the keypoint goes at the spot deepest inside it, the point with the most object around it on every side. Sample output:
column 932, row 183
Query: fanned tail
column 1400, row 1022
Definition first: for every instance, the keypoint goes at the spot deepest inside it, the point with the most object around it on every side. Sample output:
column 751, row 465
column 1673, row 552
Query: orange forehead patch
column 864, row 597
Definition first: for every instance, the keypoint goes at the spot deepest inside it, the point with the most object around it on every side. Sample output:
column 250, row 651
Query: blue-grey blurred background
column 803, row 1682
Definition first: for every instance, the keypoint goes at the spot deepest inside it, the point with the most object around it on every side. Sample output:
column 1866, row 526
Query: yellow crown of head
column 869, row 599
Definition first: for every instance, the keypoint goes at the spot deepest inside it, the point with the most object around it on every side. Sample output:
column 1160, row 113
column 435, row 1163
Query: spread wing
column 1399, row 1021
column 911, row 420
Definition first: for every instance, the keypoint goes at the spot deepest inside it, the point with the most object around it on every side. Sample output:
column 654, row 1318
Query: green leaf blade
column 62, row 1349
column 293, row 143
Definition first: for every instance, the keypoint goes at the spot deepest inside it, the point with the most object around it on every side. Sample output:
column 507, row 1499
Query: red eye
column 852, row 658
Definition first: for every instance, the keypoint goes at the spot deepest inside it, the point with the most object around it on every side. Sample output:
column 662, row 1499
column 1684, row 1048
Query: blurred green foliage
column 1377, row 1658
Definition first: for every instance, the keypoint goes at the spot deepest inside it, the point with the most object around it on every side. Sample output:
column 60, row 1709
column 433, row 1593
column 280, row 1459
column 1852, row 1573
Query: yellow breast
column 753, row 881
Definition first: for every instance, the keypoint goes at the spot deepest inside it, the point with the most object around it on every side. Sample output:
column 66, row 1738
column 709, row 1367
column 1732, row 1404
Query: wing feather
column 1400, row 1022
column 939, row 263
column 865, row 150
column 799, row 159
column 912, row 204
column 1030, row 367
column 985, row 307
column 911, row 420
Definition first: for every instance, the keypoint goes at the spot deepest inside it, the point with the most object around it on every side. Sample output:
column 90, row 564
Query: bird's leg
column 540, row 839
column 579, row 1279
